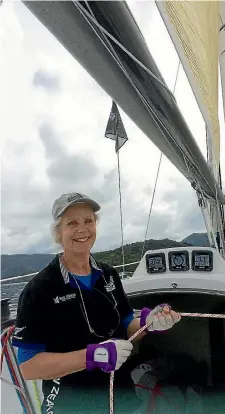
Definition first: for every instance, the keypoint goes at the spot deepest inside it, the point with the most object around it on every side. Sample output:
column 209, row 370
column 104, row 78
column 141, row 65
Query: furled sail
column 194, row 29
column 93, row 32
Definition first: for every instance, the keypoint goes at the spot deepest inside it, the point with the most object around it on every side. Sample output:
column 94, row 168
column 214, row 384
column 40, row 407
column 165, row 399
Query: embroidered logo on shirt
column 110, row 286
column 60, row 299
column 17, row 331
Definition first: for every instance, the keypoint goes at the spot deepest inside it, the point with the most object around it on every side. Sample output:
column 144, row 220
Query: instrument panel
column 179, row 261
column 201, row 260
column 156, row 263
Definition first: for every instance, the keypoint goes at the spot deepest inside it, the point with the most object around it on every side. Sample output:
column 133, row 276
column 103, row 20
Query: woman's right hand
column 108, row 355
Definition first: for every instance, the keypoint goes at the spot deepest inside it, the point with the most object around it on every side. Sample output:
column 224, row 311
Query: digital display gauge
column 202, row 260
column 179, row 261
column 156, row 263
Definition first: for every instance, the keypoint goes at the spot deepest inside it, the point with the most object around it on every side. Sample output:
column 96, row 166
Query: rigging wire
column 121, row 213
column 103, row 30
column 118, row 157
column 150, row 210
column 157, row 175
column 163, row 128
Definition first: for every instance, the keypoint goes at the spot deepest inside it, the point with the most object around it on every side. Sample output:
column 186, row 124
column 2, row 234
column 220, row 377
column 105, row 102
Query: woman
column 70, row 311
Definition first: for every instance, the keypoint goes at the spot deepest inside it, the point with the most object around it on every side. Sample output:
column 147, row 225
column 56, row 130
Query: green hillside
column 22, row 264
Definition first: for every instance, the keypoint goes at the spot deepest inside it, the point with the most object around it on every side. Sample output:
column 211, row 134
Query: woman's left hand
column 160, row 318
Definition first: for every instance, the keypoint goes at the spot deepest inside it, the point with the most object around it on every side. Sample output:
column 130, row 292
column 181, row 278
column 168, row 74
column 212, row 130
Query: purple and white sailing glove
column 108, row 355
column 162, row 318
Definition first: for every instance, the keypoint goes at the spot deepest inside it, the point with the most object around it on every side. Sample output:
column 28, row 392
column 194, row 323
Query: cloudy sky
column 53, row 119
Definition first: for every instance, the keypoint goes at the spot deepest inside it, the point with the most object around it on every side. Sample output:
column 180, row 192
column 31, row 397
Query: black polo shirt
column 51, row 315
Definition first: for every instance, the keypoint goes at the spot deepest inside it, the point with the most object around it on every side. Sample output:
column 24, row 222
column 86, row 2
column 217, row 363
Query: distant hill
column 197, row 239
column 22, row 264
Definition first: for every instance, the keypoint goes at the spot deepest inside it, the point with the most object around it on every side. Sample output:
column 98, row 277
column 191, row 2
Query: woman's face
column 77, row 229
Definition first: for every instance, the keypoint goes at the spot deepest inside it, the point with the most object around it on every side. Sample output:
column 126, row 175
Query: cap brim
column 95, row 206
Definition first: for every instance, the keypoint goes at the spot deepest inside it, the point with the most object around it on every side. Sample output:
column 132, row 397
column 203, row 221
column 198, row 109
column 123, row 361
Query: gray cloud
column 64, row 170
column 27, row 198
column 188, row 217
column 26, row 207
column 108, row 189
column 73, row 171
column 189, row 221
column 50, row 140
column 43, row 244
column 26, row 220
column 46, row 80
column 30, row 226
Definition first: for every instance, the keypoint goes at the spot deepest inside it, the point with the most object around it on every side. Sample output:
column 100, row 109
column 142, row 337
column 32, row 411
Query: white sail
column 194, row 29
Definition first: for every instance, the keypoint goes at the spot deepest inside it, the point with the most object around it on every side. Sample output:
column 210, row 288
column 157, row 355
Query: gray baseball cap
column 66, row 200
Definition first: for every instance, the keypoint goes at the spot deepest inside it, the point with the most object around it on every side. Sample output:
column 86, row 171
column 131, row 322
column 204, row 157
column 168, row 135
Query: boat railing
column 10, row 279
column 17, row 277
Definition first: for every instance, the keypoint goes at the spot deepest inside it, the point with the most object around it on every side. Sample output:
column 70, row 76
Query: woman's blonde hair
column 56, row 226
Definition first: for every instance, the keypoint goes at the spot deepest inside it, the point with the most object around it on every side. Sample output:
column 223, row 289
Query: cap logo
column 56, row 212
column 74, row 197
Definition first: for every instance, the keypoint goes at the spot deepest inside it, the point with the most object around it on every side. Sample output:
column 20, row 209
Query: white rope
column 16, row 375
column 157, row 175
column 203, row 315
column 13, row 386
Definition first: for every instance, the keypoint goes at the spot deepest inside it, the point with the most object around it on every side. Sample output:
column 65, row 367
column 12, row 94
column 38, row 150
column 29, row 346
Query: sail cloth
column 143, row 97
column 194, row 29
column 115, row 129
column 222, row 50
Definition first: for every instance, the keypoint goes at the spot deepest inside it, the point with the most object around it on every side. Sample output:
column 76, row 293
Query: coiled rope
column 5, row 337
column 21, row 391
column 192, row 315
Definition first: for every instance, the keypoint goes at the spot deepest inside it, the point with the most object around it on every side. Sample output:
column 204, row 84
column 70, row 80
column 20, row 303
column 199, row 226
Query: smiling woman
column 70, row 311
column 77, row 224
